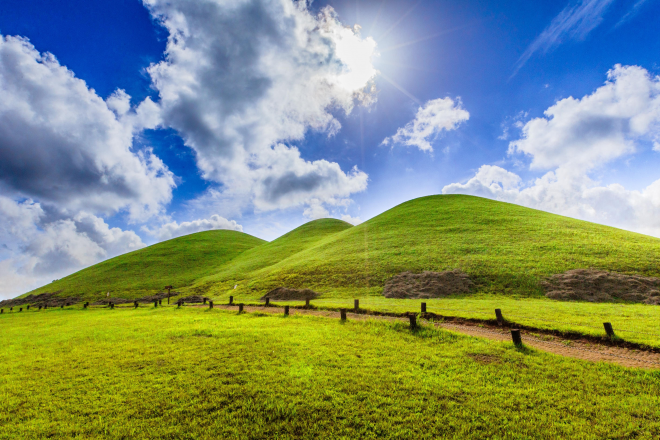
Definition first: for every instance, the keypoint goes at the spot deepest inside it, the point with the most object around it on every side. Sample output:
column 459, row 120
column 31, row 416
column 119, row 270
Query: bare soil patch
column 194, row 299
column 286, row 294
column 427, row 284
column 485, row 359
column 43, row 299
column 602, row 286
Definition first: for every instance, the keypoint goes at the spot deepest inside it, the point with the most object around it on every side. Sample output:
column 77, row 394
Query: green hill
column 176, row 262
column 505, row 248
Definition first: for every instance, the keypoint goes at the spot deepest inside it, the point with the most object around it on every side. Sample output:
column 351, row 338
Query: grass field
column 506, row 249
column 199, row 373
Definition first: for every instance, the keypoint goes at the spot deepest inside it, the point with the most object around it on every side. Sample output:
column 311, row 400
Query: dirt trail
column 579, row 349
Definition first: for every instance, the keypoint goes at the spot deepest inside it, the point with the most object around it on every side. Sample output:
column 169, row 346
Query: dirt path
column 579, row 349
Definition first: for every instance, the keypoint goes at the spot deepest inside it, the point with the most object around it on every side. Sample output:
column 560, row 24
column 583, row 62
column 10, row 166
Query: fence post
column 135, row 304
column 112, row 305
column 343, row 314
column 413, row 320
column 11, row 309
column 84, row 306
column 205, row 300
column 286, row 310
column 178, row 303
column 307, row 302
column 160, row 302
column 515, row 336
column 608, row 329
column 2, row 311
column 498, row 315
column 210, row 304
column 231, row 300
column 356, row 304
column 240, row 308
column 28, row 307
column 39, row 307
column 423, row 307
column 20, row 309
column 155, row 304
column 61, row 306
column 267, row 302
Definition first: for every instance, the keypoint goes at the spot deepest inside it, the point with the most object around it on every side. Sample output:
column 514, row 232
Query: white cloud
column 352, row 220
column 240, row 78
column 61, row 143
column 574, row 22
column 431, row 119
column 575, row 137
column 599, row 127
column 174, row 229
column 37, row 250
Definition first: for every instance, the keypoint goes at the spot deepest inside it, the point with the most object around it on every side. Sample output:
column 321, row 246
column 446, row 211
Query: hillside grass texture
column 178, row 262
column 506, row 249
column 199, row 373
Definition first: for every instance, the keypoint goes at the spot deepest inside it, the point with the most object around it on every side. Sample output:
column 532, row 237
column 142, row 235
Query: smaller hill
column 251, row 264
column 177, row 262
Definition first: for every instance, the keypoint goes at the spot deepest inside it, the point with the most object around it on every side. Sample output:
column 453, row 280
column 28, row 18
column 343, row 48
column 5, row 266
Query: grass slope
column 176, row 262
column 205, row 374
column 505, row 248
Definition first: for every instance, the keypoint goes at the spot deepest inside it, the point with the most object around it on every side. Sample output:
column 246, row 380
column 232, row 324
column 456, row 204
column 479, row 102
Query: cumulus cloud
column 574, row 22
column 37, row 250
column 352, row 220
column 62, row 144
column 431, row 119
column 240, row 78
column 575, row 137
column 174, row 229
column 597, row 128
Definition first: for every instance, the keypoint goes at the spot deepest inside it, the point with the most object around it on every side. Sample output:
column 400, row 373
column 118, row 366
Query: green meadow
column 196, row 373
column 506, row 249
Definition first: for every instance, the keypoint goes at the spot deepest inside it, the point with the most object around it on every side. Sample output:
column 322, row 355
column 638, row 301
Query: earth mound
column 602, row 286
column 427, row 284
column 286, row 294
column 43, row 299
column 193, row 299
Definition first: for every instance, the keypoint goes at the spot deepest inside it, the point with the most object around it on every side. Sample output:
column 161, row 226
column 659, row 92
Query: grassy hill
column 176, row 262
column 505, row 248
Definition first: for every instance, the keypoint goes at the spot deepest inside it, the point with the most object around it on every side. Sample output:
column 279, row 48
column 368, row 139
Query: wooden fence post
column 160, row 302
column 423, row 307
column 515, row 336
column 2, row 311
column 307, row 302
column 267, row 302
column 155, row 304
column 20, row 309
column 413, row 320
column 286, row 310
column 231, row 300
column 112, row 305
column 498, row 315
column 240, row 308
column 608, row 329
column 135, row 304
column 210, row 304
column 343, row 314
column 28, row 307
column 356, row 304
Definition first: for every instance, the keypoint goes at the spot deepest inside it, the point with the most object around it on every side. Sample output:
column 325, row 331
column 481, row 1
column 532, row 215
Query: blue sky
column 156, row 119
